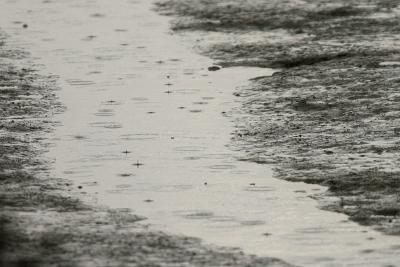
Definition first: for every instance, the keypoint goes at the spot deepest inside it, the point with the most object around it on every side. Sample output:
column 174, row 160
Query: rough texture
column 330, row 114
column 43, row 222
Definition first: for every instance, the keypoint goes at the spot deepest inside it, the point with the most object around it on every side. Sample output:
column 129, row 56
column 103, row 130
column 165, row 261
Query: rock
column 214, row 68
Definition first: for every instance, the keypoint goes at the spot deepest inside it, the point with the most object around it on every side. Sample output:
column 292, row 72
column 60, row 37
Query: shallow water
column 147, row 128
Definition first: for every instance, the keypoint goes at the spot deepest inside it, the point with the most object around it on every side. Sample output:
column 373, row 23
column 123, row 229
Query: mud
column 330, row 114
column 46, row 221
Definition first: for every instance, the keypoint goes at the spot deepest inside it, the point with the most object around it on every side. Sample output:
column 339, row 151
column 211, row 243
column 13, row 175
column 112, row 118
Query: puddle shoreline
column 43, row 220
column 317, row 119
column 312, row 119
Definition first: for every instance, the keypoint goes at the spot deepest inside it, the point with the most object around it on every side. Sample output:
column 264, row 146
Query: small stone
column 214, row 68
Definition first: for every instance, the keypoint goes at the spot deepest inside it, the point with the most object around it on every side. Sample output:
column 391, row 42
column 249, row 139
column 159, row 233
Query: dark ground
column 43, row 222
column 330, row 115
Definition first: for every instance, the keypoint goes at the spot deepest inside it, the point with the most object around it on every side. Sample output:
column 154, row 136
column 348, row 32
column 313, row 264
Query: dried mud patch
column 330, row 114
column 308, row 15
column 334, row 124
column 314, row 30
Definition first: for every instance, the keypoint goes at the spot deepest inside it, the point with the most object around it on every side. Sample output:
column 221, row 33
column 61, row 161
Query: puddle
column 146, row 128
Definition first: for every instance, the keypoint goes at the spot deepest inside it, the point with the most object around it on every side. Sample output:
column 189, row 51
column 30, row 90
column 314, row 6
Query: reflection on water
column 146, row 128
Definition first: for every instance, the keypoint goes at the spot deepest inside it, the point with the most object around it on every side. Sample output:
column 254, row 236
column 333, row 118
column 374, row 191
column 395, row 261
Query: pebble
column 214, row 68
